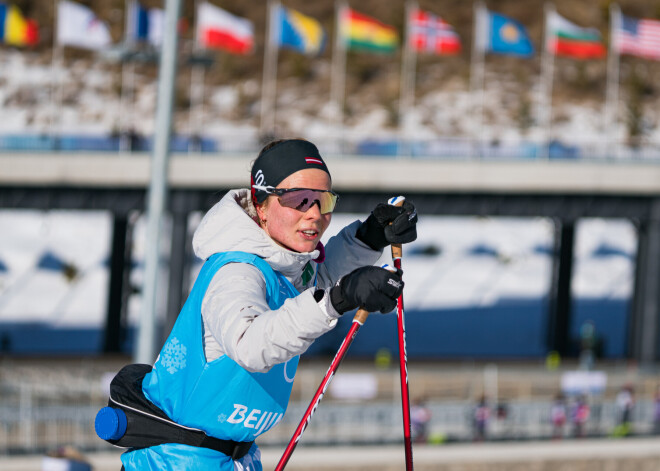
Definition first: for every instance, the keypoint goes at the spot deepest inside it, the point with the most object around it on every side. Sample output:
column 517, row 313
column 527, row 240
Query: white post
column 145, row 351
column 407, row 82
column 338, row 75
column 612, row 99
column 477, row 71
column 269, row 80
column 546, row 84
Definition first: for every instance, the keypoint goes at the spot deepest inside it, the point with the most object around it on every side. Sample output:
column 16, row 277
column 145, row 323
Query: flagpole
column 338, row 76
column 56, row 93
column 268, row 82
column 477, row 71
column 545, row 89
column 196, row 111
column 128, row 82
column 124, row 110
column 612, row 90
column 407, row 81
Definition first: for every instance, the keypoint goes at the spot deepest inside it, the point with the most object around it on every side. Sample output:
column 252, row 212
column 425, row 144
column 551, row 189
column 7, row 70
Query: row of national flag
column 428, row 34
column 504, row 35
column 78, row 26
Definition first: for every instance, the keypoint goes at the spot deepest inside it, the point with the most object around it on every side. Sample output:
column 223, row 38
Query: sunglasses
column 302, row 198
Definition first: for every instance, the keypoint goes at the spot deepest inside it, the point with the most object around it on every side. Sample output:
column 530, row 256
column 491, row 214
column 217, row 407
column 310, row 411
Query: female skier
column 267, row 290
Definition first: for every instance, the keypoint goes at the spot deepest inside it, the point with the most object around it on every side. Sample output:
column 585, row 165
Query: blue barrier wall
column 511, row 329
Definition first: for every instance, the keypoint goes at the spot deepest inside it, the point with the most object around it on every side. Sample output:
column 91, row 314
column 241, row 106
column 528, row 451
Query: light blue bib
column 219, row 397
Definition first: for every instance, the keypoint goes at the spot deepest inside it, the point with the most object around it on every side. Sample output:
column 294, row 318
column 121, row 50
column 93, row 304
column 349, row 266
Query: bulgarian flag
column 568, row 39
column 361, row 32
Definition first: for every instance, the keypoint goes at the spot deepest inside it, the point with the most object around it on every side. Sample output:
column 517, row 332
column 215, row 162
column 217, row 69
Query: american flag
column 430, row 33
column 639, row 37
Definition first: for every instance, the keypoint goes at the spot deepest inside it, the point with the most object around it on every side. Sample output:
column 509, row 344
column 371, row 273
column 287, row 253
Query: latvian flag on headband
column 430, row 33
column 219, row 29
column 639, row 37
column 313, row 160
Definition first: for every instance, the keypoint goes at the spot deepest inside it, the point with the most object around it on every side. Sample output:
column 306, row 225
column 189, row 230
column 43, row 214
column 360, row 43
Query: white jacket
column 236, row 317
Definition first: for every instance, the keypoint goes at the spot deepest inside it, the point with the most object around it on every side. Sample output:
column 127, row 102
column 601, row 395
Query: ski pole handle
column 397, row 252
column 361, row 316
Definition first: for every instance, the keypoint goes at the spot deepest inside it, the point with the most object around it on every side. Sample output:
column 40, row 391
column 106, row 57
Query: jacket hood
column 231, row 225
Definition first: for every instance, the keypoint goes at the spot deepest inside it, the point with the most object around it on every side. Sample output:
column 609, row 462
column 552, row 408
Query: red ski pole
column 403, row 356
column 358, row 321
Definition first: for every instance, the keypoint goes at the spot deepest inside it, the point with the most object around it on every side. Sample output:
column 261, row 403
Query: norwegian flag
column 430, row 33
column 639, row 37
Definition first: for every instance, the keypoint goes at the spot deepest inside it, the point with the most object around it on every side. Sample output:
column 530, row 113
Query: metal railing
column 458, row 148
column 37, row 417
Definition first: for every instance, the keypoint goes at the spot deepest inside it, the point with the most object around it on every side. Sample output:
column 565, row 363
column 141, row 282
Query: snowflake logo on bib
column 174, row 356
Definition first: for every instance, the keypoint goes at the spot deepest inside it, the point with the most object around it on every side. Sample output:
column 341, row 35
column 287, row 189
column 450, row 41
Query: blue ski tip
column 110, row 423
column 396, row 200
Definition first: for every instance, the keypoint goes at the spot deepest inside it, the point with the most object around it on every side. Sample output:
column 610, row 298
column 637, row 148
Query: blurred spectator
column 587, row 345
column 656, row 412
column 558, row 416
column 625, row 401
column 559, row 150
column 133, row 139
column 480, row 418
column 195, row 143
column 383, row 358
column 580, row 416
column 129, row 139
column 502, row 411
column 5, row 343
column 420, row 416
column 65, row 458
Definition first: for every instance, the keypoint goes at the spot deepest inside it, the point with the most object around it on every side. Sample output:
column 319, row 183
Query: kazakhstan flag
column 300, row 32
column 507, row 36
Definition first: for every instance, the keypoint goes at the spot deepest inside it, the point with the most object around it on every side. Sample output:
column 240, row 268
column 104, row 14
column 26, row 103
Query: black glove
column 371, row 288
column 389, row 224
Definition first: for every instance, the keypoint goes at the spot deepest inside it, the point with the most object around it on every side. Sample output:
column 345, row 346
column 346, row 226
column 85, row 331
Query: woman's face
column 292, row 229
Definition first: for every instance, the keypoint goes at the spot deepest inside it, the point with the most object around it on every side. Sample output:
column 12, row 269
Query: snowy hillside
column 90, row 103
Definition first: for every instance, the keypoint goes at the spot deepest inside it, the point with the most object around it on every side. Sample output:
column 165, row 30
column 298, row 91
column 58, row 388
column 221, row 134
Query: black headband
column 282, row 160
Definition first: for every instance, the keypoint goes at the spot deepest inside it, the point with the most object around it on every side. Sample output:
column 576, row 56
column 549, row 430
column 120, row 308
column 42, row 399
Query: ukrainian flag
column 300, row 32
column 15, row 29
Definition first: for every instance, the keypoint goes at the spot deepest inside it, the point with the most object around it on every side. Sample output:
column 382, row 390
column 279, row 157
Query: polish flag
column 219, row 29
